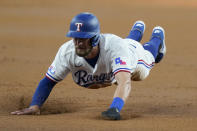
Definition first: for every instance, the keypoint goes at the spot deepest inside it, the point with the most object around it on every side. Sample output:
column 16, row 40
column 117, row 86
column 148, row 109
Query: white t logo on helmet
column 78, row 26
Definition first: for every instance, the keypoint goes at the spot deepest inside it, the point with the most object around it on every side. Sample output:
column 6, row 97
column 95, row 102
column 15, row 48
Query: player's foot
column 137, row 31
column 111, row 114
column 159, row 33
column 139, row 25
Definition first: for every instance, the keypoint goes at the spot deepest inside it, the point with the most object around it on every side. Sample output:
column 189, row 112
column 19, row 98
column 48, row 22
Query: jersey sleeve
column 59, row 67
column 122, row 59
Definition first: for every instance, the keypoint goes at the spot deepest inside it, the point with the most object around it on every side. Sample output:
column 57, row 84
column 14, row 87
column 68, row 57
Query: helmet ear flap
column 95, row 40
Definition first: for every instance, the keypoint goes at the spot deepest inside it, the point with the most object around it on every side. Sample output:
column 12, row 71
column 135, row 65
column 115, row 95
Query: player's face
column 82, row 46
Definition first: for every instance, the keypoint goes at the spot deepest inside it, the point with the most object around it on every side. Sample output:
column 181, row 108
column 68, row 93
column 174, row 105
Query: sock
column 117, row 103
column 135, row 35
column 153, row 46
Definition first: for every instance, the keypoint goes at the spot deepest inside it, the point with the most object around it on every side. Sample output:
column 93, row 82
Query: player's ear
column 95, row 40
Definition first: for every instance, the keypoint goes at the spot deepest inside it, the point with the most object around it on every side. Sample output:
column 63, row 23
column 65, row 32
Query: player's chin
column 81, row 52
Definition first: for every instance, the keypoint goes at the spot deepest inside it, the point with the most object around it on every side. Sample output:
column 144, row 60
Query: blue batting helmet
column 85, row 25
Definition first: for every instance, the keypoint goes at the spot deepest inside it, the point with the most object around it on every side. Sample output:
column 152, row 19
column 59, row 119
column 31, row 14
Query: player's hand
column 32, row 110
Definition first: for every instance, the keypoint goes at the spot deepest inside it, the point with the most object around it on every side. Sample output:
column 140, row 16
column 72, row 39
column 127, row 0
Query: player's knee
column 139, row 75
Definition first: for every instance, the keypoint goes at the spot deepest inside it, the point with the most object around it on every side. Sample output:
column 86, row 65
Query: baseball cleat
column 111, row 114
column 160, row 33
column 139, row 25
column 137, row 31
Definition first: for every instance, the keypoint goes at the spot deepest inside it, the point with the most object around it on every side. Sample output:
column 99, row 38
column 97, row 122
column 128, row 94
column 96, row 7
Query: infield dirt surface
column 31, row 33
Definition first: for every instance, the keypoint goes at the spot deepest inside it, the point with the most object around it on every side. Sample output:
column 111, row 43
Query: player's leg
column 145, row 63
column 156, row 45
column 151, row 52
column 137, row 31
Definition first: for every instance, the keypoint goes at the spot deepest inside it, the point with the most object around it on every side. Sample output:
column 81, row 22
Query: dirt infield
column 31, row 33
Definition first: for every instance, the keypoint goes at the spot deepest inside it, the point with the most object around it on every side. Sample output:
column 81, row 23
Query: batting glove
column 111, row 114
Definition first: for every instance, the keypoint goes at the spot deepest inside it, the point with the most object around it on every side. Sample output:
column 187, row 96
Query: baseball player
column 98, row 60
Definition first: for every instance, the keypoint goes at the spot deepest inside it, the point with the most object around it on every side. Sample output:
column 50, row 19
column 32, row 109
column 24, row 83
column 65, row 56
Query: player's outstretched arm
column 40, row 96
column 121, row 94
column 124, row 85
column 32, row 110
